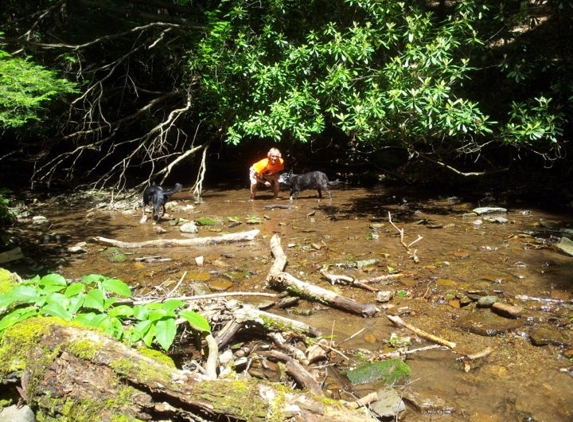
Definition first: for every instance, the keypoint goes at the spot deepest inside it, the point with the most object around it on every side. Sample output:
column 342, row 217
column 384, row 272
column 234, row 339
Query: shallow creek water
column 518, row 381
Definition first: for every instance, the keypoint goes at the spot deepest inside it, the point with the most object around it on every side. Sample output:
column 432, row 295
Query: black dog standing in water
column 312, row 180
column 157, row 197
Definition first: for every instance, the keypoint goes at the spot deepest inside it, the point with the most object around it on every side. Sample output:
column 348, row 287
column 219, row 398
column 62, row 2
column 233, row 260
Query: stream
column 448, row 258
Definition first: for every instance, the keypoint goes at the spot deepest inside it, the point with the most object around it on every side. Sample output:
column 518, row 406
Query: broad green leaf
column 115, row 328
column 109, row 302
column 139, row 330
column 53, row 283
column 196, row 321
column 156, row 315
column 140, row 312
column 165, row 330
column 117, row 286
column 149, row 336
column 75, row 303
column 25, row 294
column 121, row 311
column 17, row 316
column 171, row 304
column 95, row 300
column 74, row 289
column 93, row 279
column 56, row 310
column 91, row 319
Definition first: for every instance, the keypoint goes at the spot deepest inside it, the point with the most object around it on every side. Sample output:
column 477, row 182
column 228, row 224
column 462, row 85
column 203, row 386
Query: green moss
column 388, row 371
column 7, row 281
column 18, row 340
column 156, row 355
column 74, row 410
column 84, row 349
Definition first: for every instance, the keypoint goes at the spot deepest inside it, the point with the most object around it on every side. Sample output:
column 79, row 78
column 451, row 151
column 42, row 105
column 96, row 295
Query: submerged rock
column 544, row 336
column 565, row 245
column 388, row 371
column 389, row 403
column 426, row 402
column 488, row 210
column 507, row 310
column 486, row 323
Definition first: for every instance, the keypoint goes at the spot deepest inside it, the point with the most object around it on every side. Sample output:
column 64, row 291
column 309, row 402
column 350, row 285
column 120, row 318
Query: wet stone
column 486, row 323
column 190, row 227
column 389, row 403
column 507, row 310
column 487, row 301
column 545, row 335
column 221, row 285
column 384, row 296
column 426, row 402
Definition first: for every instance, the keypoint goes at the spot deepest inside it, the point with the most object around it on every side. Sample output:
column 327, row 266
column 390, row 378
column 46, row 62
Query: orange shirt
column 265, row 165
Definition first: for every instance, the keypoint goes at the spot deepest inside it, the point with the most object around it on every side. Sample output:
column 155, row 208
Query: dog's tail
column 177, row 188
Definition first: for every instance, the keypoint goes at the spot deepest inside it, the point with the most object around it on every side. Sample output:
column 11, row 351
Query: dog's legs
column 143, row 216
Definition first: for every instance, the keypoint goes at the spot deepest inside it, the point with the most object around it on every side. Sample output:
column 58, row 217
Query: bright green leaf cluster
column 24, row 88
column 93, row 302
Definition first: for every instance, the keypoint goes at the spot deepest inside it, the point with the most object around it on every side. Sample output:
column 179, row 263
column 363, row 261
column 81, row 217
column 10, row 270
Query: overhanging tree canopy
column 162, row 80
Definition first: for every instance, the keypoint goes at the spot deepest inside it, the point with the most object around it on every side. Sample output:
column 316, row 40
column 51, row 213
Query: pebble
column 190, row 227
column 384, row 296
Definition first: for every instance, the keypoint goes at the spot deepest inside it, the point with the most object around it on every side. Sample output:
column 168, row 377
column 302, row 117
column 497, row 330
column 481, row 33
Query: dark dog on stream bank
column 312, row 180
column 157, row 197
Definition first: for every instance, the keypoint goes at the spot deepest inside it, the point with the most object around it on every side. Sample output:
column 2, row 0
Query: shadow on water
column 459, row 256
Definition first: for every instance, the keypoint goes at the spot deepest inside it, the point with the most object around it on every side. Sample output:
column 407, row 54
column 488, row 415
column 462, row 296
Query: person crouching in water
column 267, row 172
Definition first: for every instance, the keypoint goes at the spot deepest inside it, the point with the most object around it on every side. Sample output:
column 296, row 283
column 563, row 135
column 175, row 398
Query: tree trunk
column 72, row 373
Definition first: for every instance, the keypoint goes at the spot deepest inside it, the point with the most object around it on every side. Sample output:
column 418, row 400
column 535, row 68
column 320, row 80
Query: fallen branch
column 407, row 246
column 273, row 322
column 344, row 279
column 297, row 371
column 284, row 281
column 363, row 401
column 466, row 359
column 401, row 323
column 382, row 278
column 151, row 389
column 198, row 241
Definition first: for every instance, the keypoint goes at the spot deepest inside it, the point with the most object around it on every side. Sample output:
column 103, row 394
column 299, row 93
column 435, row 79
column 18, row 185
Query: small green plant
column 93, row 302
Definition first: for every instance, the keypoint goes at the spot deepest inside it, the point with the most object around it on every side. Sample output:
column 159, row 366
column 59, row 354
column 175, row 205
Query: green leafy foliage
column 24, row 89
column 92, row 302
column 384, row 73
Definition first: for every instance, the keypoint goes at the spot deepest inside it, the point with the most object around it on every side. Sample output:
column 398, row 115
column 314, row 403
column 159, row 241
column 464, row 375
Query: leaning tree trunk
column 73, row 373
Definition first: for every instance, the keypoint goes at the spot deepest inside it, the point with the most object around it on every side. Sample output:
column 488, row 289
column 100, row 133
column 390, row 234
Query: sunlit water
column 457, row 253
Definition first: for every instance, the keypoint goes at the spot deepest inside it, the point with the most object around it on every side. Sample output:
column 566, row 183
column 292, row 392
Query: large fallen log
column 73, row 373
column 197, row 241
column 284, row 281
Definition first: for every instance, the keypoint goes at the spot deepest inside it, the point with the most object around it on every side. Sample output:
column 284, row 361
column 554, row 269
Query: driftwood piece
column 284, row 281
column 197, row 241
column 297, row 371
column 401, row 323
column 273, row 322
column 72, row 373
column 11, row 255
column 288, row 282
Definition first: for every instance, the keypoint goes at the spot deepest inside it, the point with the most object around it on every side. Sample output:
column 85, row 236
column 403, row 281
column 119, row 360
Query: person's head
column 274, row 154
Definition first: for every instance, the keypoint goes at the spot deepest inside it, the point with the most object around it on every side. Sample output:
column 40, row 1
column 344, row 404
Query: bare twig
column 413, row 253
column 401, row 323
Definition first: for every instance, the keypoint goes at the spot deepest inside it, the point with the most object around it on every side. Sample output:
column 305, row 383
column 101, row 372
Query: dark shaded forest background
column 426, row 92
